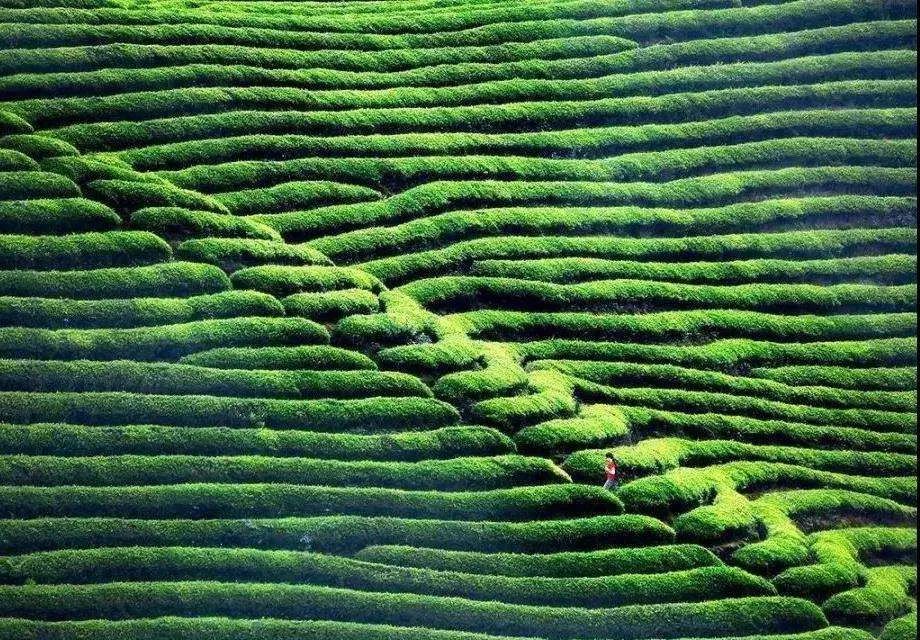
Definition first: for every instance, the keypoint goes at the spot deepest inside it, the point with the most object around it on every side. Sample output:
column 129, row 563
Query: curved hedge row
column 757, row 431
column 164, row 280
column 529, row 116
column 603, row 563
column 438, row 230
column 624, row 374
column 293, row 195
column 53, row 313
column 732, row 354
column 317, row 357
column 232, row 254
column 113, row 408
column 176, row 221
column 38, row 147
column 587, row 142
column 880, row 378
column 33, row 185
column 158, row 343
column 174, row 628
column 176, row 379
column 330, row 306
column 453, row 294
column 334, row 534
column 408, row 446
column 688, row 326
column 740, row 616
column 82, row 251
column 160, row 103
column 883, row 269
column 458, row 474
column 252, row 566
column 131, row 195
column 653, row 456
column 284, row 281
column 274, row 500
column 61, row 215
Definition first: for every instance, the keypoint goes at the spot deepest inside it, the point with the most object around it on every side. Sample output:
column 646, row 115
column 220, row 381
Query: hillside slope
column 318, row 318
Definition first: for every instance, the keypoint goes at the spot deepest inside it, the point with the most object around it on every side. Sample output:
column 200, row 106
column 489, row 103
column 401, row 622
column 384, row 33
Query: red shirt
column 611, row 469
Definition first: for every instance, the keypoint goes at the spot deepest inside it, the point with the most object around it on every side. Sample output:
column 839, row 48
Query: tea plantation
column 318, row 318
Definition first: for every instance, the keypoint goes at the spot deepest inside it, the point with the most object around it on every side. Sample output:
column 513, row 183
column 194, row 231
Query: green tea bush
column 175, row 379
column 595, row 425
column 175, row 221
column 529, row 116
column 10, row 124
column 61, row 215
column 330, row 306
column 38, row 147
column 318, row 357
column 621, row 374
column 158, row 343
column 245, row 565
column 167, row 279
column 365, row 415
column 882, row 378
column 735, row 354
column 451, row 294
column 587, row 142
column 131, row 195
column 285, row 280
column 33, row 185
column 279, row 500
column 408, row 446
column 232, row 254
column 887, row 269
column 293, row 195
column 174, row 628
column 458, row 474
column 60, row 111
column 684, row 326
column 655, row 455
column 756, row 431
column 438, row 230
column 741, row 616
column 52, row 313
column 82, row 251
column 606, row 562
column 11, row 160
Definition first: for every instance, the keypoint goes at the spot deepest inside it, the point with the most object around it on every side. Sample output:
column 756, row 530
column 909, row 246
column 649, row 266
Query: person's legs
column 610, row 485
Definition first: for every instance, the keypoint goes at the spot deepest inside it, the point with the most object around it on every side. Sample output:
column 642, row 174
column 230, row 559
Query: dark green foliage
column 607, row 562
column 239, row 565
column 299, row 357
column 112, row 408
column 63, row 215
column 38, row 147
column 335, row 534
column 409, row 446
column 52, row 313
column 741, row 616
column 330, row 306
column 281, row 500
column 174, row 379
column 182, row 223
column 34, row 185
column 129, row 195
column 458, row 474
column 82, row 251
column 158, row 343
column 162, row 280
column 235, row 253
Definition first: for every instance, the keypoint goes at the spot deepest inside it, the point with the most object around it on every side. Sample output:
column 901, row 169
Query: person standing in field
column 610, row 469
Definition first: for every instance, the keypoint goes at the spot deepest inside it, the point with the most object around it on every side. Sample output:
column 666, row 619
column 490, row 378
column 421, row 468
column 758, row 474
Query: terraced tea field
column 318, row 318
